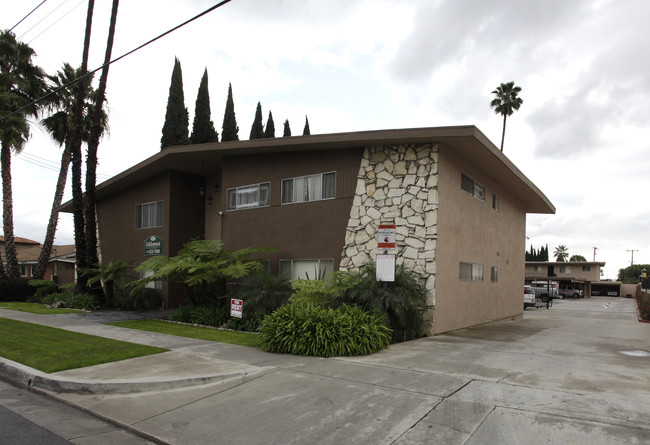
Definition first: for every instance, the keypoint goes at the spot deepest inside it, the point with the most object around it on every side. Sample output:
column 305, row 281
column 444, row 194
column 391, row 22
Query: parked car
column 567, row 290
column 529, row 297
column 546, row 290
column 612, row 293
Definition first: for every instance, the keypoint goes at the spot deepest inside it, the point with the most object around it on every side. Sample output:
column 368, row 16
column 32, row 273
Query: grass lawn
column 181, row 330
column 51, row 350
column 34, row 308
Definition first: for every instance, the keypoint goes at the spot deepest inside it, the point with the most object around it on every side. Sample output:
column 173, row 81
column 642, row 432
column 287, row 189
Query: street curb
column 26, row 377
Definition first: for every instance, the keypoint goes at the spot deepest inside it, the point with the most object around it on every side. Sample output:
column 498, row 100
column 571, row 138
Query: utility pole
column 595, row 253
column 632, row 250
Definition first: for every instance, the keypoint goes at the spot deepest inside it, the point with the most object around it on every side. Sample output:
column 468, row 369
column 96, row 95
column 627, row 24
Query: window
column 471, row 187
column 151, row 284
column 494, row 274
column 565, row 269
column 586, row 268
column 26, row 270
column 538, row 268
column 149, row 215
column 470, row 272
column 495, row 202
column 249, row 196
column 302, row 269
column 309, row 188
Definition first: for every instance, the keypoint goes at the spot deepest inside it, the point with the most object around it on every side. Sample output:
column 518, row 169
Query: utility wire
column 43, row 19
column 30, row 13
column 210, row 9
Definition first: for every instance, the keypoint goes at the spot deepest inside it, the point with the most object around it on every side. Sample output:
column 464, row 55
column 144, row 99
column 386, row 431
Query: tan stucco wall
column 574, row 270
column 470, row 231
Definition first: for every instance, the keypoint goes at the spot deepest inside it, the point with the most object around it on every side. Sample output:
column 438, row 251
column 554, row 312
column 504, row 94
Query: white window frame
column 156, row 284
column 261, row 193
column 321, row 264
column 291, row 189
column 470, row 272
column 154, row 220
column 472, row 187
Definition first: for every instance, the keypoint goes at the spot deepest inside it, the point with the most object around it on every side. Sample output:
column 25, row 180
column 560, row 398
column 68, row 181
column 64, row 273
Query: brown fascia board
column 565, row 263
column 466, row 141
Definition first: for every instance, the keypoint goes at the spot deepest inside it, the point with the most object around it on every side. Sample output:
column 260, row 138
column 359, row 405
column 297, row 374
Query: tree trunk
column 77, row 194
column 8, row 214
column 503, row 134
column 46, row 251
column 96, row 131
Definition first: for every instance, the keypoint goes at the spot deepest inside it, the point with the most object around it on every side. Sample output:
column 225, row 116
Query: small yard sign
column 153, row 245
column 386, row 236
column 385, row 268
column 236, row 307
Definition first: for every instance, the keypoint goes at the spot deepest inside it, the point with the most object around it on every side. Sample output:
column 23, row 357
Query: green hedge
column 643, row 303
column 305, row 329
column 15, row 289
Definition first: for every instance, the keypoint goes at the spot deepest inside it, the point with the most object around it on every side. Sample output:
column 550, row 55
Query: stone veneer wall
column 397, row 185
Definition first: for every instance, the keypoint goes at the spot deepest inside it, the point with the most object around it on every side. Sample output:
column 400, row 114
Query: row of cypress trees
column 537, row 255
column 175, row 129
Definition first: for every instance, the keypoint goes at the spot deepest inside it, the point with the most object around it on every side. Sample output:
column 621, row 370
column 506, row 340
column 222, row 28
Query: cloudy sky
column 581, row 135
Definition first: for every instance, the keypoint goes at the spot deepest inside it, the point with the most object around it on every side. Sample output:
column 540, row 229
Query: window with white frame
column 470, row 272
column 473, row 188
column 494, row 274
column 249, row 196
column 306, row 269
column 565, row 269
column 156, row 284
column 148, row 215
column 309, row 188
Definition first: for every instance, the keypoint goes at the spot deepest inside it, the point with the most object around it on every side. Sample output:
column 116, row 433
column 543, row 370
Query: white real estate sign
column 236, row 308
column 385, row 268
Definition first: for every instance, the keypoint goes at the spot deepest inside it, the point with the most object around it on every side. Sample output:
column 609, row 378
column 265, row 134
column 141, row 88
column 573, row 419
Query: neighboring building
column 61, row 266
column 584, row 275
column 458, row 203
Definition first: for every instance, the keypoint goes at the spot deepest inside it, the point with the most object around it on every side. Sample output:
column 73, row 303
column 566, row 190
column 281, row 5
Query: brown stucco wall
column 470, row 231
column 311, row 230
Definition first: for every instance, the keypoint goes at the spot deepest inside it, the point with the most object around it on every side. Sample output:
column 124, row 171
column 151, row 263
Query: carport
column 602, row 288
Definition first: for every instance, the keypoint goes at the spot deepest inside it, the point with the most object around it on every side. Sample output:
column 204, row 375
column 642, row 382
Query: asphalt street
column 577, row 373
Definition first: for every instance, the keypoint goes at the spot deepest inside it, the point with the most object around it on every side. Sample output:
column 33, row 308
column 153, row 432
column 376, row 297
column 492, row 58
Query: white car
column 529, row 297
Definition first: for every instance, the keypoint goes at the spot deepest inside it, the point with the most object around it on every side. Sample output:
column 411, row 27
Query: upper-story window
column 149, row 214
column 249, row 196
column 565, row 269
column 473, row 188
column 495, row 202
column 586, row 268
column 309, row 188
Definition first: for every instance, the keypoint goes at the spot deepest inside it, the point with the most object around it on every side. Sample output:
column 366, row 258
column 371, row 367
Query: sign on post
column 236, row 307
column 153, row 245
column 385, row 268
column 386, row 236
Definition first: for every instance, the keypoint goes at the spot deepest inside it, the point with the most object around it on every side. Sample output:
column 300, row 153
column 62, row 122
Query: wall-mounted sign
column 236, row 307
column 385, row 268
column 386, row 236
column 153, row 245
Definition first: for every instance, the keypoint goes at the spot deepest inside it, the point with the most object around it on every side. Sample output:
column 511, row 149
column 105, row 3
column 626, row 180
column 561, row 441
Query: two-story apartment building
column 458, row 204
column 579, row 274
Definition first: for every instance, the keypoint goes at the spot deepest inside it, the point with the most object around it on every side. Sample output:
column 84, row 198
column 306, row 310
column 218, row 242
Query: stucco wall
column 470, row 231
column 397, row 185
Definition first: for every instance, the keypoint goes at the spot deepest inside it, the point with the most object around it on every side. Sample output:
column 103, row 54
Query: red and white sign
column 386, row 236
column 236, row 307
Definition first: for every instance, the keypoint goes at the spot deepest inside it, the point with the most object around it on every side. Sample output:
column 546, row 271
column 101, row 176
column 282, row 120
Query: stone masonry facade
column 397, row 185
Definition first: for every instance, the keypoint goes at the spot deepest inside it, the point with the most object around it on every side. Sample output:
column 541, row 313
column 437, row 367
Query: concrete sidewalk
column 575, row 373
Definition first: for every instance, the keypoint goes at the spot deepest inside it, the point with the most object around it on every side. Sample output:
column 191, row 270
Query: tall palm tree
column 561, row 253
column 21, row 82
column 60, row 126
column 505, row 103
column 98, row 117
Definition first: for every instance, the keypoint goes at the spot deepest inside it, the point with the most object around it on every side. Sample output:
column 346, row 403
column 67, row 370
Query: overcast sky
column 581, row 135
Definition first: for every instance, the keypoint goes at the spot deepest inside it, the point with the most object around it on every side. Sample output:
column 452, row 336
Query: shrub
column 203, row 315
column 317, row 292
column 250, row 322
column 263, row 293
column 402, row 302
column 43, row 288
column 80, row 301
column 306, row 329
column 142, row 299
column 15, row 289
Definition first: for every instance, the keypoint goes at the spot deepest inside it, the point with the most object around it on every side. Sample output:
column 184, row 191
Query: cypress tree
column 269, row 131
column 175, row 129
column 287, row 129
column 257, row 130
column 305, row 131
column 203, row 128
column 229, row 129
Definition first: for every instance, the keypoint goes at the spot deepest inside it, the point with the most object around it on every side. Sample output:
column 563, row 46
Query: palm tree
column 561, row 253
column 21, row 82
column 506, row 102
column 61, row 128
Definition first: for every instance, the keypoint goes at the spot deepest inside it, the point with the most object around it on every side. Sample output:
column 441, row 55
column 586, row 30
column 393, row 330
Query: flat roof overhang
column 468, row 142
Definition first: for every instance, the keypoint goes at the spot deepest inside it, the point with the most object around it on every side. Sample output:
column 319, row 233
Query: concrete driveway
column 578, row 373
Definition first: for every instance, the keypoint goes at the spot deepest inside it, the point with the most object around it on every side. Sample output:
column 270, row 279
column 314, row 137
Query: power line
column 43, row 19
column 56, row 21
column 210, row 9
column 30, row 13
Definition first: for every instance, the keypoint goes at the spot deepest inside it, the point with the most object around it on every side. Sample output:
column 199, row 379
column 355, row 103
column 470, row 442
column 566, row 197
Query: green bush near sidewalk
column 643, row 303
